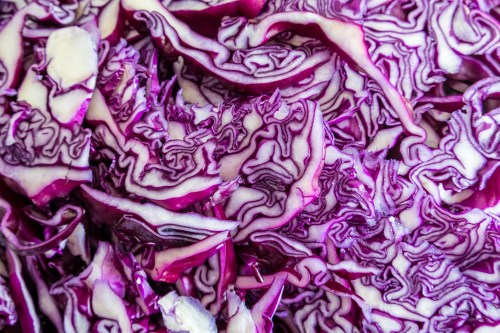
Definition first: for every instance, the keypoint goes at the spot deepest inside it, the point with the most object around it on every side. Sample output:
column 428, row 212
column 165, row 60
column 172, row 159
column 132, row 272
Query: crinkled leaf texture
column 250, row 166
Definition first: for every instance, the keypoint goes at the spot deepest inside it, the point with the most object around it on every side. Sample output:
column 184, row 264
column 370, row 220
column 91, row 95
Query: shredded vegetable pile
column 253, row 166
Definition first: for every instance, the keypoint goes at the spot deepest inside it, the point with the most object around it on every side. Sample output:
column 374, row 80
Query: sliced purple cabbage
column 11, row 34
column 40, row 158
column 152, row 159
column 256, row 143
column 112, row 289
column 235, row 36
column 57, row 228
column 23, row 301
column 8, row 312
column 151, row 222
column 205, row 16
column 185, row 314
column 249, row 166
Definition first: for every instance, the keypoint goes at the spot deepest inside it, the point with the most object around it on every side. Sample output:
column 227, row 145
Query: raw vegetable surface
column 250, row 166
